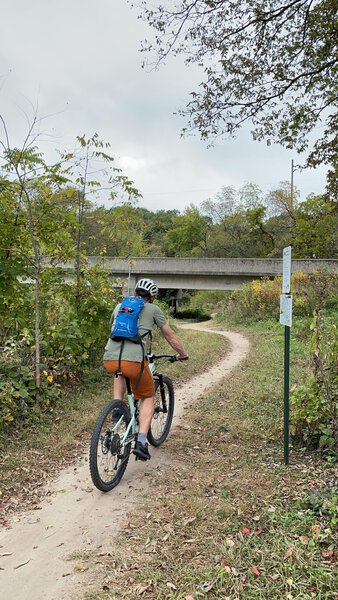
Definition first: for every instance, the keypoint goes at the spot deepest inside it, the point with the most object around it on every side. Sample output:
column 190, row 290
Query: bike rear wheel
column 108, row 459
column 163, row 411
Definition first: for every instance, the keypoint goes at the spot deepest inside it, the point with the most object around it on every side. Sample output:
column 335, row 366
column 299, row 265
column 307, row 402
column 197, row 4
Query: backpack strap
column 142, row 347
column 143, row 356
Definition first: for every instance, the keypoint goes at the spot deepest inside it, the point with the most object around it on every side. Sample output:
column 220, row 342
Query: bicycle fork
column 162, row 391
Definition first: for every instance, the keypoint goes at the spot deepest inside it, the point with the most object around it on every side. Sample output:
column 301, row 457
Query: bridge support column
column 129, row 286
column 178, row 297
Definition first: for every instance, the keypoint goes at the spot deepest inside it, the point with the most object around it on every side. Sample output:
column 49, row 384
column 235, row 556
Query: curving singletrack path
column 78, row 517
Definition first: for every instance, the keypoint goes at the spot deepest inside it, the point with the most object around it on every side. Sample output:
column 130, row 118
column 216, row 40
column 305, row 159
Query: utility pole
column 292, row 170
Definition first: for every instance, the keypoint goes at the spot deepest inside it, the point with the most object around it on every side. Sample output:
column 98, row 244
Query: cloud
column 79, row 62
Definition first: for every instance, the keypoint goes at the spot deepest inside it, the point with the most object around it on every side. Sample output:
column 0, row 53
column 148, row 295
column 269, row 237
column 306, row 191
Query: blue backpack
column 126, row 327
column 126, row 321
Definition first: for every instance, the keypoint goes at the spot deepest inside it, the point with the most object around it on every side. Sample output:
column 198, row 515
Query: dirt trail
column 79, row 517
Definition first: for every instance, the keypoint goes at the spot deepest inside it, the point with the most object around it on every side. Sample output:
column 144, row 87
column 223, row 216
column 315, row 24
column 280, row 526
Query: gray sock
column 142, row 437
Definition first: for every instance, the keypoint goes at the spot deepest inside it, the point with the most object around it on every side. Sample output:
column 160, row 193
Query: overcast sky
column 79, row 62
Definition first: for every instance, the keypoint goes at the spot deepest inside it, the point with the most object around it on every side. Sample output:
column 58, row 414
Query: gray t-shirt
column 150, row 315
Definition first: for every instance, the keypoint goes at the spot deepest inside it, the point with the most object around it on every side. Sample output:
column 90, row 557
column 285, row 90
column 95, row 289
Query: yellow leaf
column 80, row 568
column 50, row 378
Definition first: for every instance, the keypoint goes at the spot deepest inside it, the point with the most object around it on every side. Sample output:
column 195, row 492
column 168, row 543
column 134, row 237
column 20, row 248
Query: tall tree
column 315, row 234
column 92, row 168
column 31, row 185
column 272, row 64
column 188, row 236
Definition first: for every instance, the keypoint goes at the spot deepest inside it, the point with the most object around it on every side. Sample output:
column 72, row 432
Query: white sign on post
column 285, row 317
column 286, row 289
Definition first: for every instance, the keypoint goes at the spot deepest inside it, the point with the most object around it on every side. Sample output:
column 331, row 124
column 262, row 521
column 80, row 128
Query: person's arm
column 174, row 342
column 113, row 315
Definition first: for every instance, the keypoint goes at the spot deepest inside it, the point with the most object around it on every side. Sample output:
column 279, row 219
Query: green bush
column 314, row 405
column 74, row 327
column 206, row 300
column 191, row 313
column 17, row 381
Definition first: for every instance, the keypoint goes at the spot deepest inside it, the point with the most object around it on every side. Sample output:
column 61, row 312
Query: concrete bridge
column 201, row 273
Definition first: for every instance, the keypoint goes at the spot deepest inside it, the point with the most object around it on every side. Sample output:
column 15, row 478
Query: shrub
column 73, row 331
column 17, row 381
column 257, row 300
column 260, row 299
column 207, row 300
column 191, row 313
column 314, row 416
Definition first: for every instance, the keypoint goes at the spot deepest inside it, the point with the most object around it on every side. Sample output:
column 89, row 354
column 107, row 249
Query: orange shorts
column 146, row 386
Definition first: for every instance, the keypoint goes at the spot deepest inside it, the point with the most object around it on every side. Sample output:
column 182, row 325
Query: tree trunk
column 37, row 328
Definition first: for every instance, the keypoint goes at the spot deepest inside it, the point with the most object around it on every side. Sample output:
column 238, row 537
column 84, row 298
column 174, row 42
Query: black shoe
column 141, row 451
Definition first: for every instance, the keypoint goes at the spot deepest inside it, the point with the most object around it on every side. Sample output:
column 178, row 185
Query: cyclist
column 132, row 359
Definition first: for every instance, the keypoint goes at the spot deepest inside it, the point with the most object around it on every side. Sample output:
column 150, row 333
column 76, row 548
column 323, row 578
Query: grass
column 30, row 454
column 228, row 520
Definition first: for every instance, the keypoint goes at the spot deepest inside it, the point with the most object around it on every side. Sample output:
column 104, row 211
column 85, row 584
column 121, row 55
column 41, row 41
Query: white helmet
column 147, row 285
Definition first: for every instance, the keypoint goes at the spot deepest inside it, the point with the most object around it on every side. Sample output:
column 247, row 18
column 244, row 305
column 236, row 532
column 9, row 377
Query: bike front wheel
column 163, row 411
column 108, row 457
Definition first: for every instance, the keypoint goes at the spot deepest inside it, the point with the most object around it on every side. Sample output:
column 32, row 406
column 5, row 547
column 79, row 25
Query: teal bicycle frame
column 134, row 407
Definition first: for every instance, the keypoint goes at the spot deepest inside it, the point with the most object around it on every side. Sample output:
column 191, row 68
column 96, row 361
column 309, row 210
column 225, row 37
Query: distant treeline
column 235, row 223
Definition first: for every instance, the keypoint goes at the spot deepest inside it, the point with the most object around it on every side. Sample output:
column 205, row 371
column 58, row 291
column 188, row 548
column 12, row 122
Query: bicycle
column 117, row 427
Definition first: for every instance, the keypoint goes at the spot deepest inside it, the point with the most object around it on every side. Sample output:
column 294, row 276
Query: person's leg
column 145, row 392
column 146, row 414
column 119, row 387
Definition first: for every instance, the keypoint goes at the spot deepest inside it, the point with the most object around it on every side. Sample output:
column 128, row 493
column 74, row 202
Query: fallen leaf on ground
column 258, row 532
column 188, row 521
column 288, row 553
column 327, row 553
column 80, row 568
column 142, row 588
column 315, row 529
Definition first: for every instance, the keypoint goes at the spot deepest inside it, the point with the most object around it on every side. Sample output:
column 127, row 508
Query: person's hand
column 182, row 358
